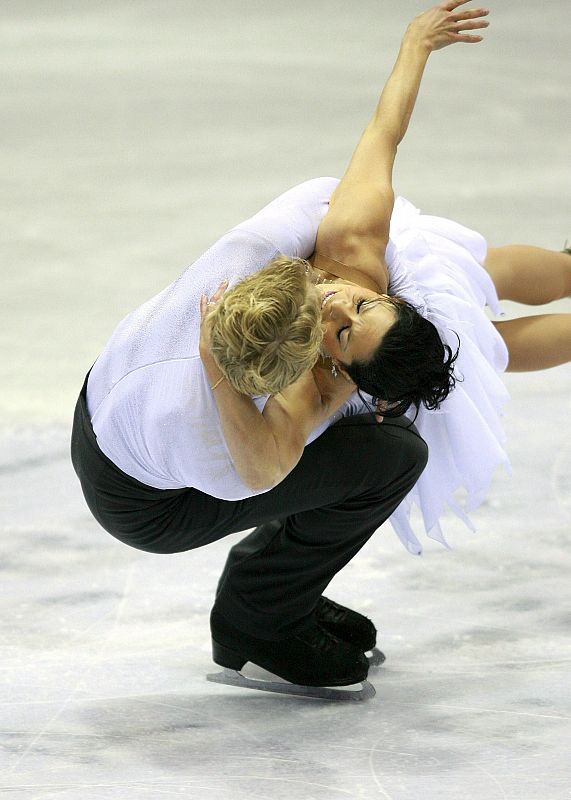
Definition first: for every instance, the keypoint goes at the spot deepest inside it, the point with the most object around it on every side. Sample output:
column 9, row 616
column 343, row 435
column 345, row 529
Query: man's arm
column 356, row 228
column 266, row 446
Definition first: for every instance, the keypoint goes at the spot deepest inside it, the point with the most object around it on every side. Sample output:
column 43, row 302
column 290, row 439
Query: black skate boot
column 350, row 626
column 309, row 661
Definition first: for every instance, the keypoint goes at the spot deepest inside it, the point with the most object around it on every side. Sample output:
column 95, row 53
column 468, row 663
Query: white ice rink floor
column 134, row 134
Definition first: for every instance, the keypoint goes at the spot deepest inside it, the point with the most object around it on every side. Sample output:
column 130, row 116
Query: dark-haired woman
column 403, row 297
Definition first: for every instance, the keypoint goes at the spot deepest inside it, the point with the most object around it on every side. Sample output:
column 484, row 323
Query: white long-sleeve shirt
column 148, row 396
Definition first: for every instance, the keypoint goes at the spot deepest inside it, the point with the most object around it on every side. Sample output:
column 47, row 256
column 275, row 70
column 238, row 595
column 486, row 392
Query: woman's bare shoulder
column 364, row 268
column 355, row 232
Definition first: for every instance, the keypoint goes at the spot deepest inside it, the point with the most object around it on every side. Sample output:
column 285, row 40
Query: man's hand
column 334, row 391
column 443, row 25
column 204, row 347
column 293, row 413
column 316, row 395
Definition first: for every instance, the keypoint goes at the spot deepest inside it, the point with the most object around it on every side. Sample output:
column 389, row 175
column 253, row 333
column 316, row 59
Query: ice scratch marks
column 120, row 606
column 490, row 776
column 224, row 722
column 561, row 479
column 97, row 658
column 439, row 776
column 160, row 787
column 481, row 710
column 378, row 784
column 481, row 669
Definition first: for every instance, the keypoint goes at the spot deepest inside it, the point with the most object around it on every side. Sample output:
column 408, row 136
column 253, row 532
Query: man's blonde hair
column 266, row 331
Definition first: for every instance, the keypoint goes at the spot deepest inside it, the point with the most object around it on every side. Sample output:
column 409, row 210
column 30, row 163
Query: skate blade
column 376, row 658
column 232, row 677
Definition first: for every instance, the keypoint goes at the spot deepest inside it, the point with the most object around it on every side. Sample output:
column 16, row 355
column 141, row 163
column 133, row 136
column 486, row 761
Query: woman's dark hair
column 412, row 365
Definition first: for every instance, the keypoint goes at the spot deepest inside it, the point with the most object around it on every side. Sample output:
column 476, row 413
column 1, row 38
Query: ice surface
column 134, row 134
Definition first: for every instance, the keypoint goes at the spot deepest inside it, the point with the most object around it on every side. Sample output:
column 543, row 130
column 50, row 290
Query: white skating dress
column 436, row 264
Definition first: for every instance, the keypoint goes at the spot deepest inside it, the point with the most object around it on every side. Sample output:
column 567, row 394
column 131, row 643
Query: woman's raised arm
column 356, row 227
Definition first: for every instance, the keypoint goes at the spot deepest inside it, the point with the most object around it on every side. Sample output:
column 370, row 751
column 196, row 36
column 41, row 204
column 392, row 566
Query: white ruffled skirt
column 436, row 264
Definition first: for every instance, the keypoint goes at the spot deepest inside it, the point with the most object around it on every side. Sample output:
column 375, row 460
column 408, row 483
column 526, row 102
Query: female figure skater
column 171, row 456
column 400, row 290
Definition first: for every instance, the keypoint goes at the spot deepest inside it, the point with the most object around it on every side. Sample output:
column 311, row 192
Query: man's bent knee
column 412, row 447
column 419, row 453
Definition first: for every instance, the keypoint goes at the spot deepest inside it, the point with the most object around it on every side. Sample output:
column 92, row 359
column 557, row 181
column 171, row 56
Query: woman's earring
column 334, row 370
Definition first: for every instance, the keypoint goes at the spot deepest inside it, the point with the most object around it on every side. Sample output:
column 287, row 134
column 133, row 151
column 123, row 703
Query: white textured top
column 148, row 396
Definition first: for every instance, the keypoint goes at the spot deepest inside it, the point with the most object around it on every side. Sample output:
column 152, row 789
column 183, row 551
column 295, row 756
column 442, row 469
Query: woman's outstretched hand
column 444, row 24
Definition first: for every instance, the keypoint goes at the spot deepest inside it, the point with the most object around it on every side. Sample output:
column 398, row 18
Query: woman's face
column 353, row 329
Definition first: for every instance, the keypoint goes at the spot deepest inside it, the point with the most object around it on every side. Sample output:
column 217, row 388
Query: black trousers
column 347, row 483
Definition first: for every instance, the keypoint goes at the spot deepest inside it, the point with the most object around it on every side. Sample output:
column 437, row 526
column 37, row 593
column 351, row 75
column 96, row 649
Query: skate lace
column 326, row 607
column 319, row 639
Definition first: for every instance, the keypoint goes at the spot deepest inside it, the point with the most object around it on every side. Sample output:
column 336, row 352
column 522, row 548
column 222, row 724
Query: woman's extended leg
column 537, row 342
column 529, row 275
column 533, row 276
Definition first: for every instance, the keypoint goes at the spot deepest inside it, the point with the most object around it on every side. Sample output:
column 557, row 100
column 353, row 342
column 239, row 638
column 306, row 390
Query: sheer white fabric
column 436, row 264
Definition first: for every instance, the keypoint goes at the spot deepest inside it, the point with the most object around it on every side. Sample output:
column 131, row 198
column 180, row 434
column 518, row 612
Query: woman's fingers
column 472, row 14
column 444, row 25
column 452, row 4
column 470, row 20
column 464, row 37
column 470, row 26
